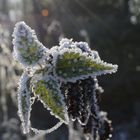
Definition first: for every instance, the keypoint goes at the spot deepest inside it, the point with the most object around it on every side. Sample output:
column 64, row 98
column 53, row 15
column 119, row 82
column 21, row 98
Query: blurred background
column 112, row 27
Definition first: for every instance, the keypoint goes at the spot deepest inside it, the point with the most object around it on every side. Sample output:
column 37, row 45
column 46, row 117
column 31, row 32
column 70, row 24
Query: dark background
column 112, row 27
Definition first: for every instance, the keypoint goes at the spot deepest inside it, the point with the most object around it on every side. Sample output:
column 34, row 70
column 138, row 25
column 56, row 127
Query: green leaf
column 48, row 91
column 27, row 49
column 71, row 66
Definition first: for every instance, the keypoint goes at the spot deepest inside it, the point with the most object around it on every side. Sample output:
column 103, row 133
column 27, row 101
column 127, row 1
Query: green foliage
column 73, row 64
column 27, row 49
column 32, row 56
column 48, row 92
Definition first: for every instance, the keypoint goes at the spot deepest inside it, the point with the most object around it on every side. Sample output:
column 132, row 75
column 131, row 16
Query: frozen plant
column 64, row 79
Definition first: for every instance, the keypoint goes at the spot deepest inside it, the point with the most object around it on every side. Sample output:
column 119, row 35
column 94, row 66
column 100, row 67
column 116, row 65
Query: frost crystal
column 83, row 46
column 24, row 102
column 63, row 78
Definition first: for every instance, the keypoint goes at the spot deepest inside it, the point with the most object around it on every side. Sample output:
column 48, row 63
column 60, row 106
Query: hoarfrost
column 24, row 102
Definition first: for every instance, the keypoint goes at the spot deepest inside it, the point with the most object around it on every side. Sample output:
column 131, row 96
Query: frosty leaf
column 24, row 102
column 27, row 49
column 49, row 93
column 71, row 66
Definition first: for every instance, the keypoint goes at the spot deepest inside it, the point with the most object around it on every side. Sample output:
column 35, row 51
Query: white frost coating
column 102, row 114
column 69, row 43
column 65, row 43
column 22, row 31
column 75, row 50
column 83, row 46
column 87, row 117
column 95, row 55
column 97, row 87
column 24, row 102
column 54, row 49
column 41, row 133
